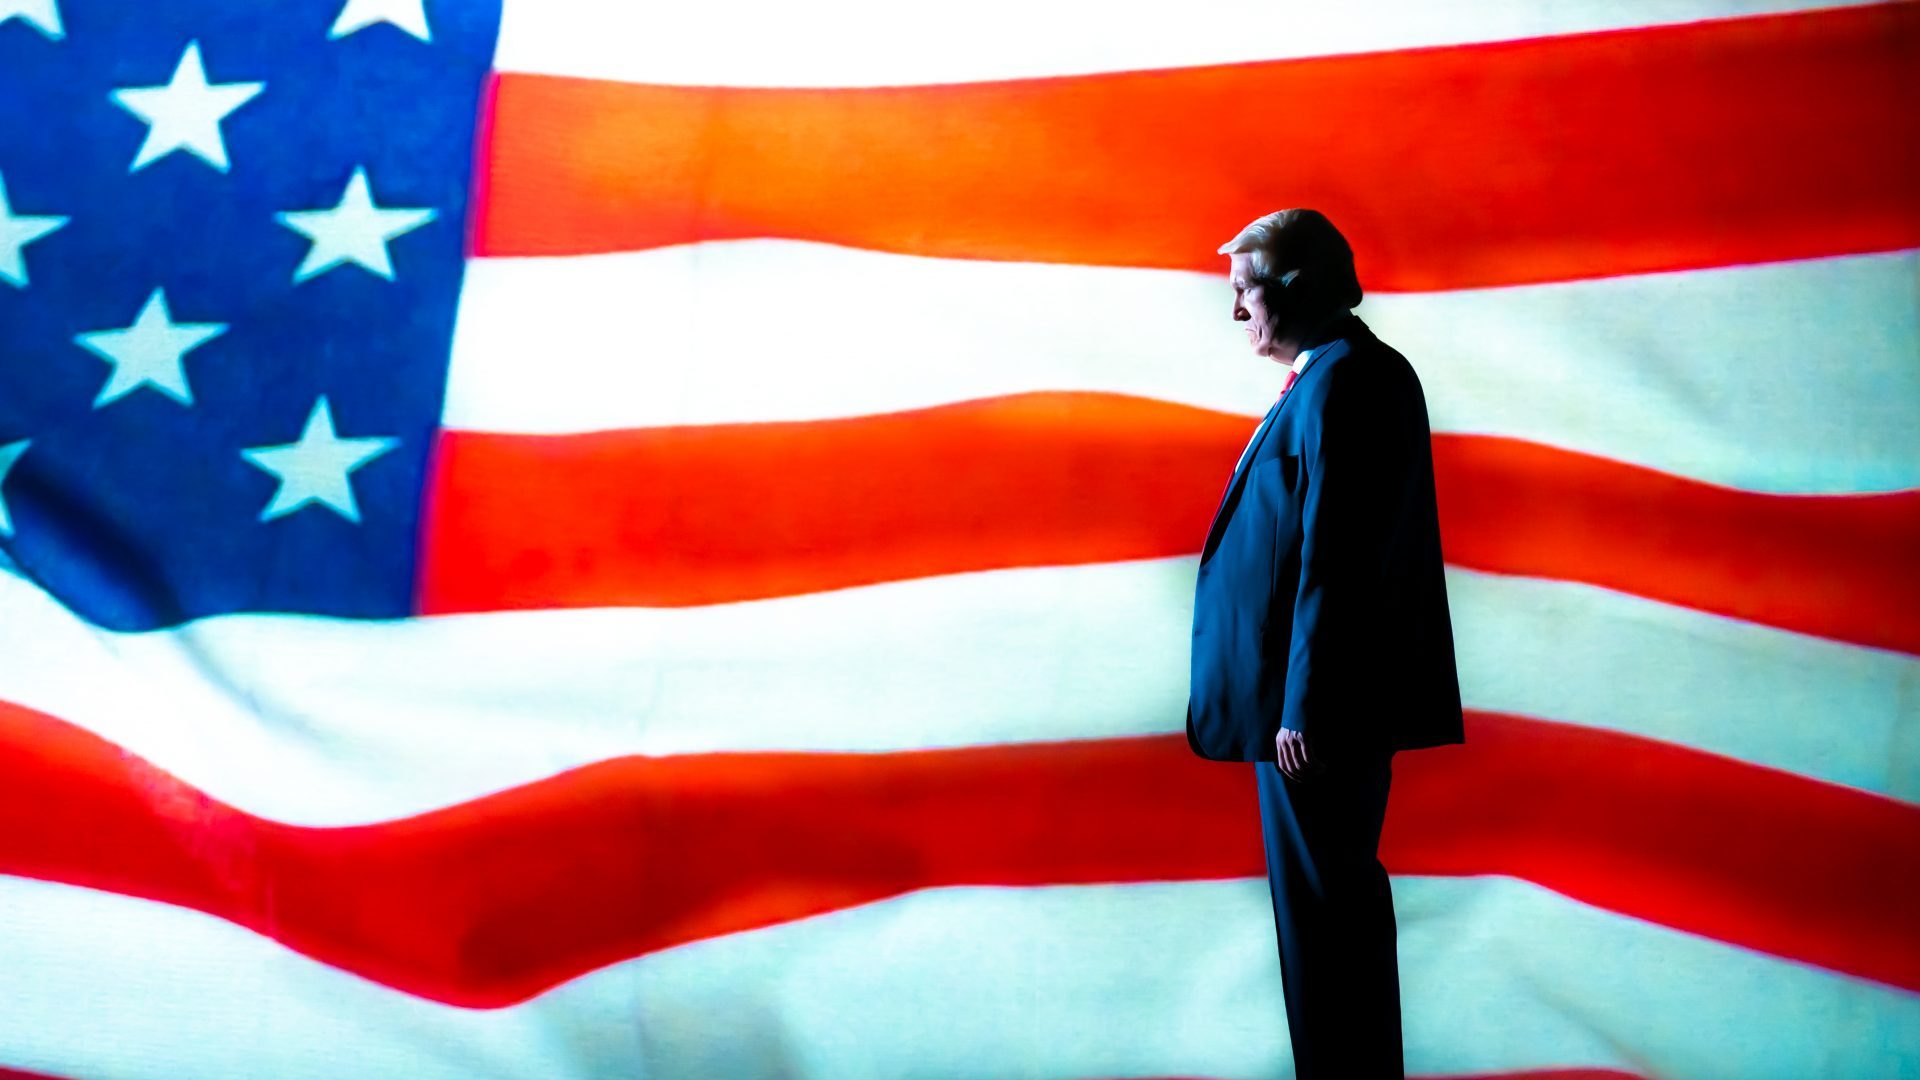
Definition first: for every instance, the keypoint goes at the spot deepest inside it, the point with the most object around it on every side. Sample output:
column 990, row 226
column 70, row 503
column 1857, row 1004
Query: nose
column 1240, row 314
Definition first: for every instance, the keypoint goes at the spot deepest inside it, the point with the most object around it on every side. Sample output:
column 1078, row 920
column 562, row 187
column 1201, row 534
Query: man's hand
column 1291, row 746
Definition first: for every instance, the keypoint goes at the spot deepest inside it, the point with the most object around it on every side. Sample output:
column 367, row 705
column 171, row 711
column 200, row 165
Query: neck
column 1314, row 333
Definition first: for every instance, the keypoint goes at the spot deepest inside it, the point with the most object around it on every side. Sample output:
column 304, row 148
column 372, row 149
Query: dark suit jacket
column 1321, row 605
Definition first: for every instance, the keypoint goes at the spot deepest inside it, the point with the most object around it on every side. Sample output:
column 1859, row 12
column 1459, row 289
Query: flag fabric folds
column 584, row 540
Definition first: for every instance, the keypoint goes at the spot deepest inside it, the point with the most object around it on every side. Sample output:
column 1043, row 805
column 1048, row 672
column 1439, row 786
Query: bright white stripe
column 324, row 721
column 1175, row 979
column 1796, row 376
column 1602, row 659
column 99, row 985
column 877, row 43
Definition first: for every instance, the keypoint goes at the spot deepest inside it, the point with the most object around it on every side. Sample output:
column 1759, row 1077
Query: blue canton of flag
column 231, row 245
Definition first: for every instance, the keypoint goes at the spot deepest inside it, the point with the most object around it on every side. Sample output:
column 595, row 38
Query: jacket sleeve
column 1356, row 478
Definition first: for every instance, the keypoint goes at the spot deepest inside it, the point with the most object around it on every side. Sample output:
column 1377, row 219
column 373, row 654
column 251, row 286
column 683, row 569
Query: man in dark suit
column 1321, row 639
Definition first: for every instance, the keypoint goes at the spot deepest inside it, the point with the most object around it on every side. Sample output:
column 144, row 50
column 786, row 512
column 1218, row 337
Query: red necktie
column 1292, row 374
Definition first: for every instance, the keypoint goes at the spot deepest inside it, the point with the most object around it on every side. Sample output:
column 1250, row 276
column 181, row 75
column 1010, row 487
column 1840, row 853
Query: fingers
column 1293, row 758
column 1290, row 750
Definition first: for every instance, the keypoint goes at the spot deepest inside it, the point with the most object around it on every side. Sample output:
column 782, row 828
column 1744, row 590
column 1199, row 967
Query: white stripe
column 1797, row 376
column 1602, row 659
column 878, row 43
column 323, row 721
column 1175, row 979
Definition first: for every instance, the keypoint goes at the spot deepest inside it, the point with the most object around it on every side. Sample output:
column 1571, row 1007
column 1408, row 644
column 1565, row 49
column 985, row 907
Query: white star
column 16, row 232
column 408, row 15
column 9, row 454
column 44, row 14
column 149, row 352
column 314, row 470
column 356, row 230
column 185, row 114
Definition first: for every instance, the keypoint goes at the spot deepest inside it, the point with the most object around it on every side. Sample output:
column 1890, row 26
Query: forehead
column 1240, row 268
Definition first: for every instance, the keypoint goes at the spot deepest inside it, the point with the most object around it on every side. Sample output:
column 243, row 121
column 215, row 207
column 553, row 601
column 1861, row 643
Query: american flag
column 612, row 540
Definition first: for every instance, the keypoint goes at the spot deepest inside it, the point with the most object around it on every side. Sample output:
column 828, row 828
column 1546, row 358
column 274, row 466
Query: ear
column 1286, row 279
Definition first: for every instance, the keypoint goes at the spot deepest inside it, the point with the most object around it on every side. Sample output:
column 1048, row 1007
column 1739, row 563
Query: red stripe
column 492, row 901
column 716, row 513
column 1677, row 147
column 1840, row 566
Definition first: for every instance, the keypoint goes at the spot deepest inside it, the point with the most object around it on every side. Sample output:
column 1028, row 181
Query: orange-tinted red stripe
column 669, row 517
column 1840, row 566
column 704, row 514
column 1618, row 152
column 490, row 902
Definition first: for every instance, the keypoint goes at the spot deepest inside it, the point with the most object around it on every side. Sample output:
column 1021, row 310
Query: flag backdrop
column 618, row 540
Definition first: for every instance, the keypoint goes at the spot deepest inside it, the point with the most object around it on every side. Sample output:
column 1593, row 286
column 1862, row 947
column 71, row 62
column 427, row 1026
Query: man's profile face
column 1250, row 306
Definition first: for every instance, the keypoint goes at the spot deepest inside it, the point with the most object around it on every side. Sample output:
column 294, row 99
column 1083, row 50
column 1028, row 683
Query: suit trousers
column 1333, row 916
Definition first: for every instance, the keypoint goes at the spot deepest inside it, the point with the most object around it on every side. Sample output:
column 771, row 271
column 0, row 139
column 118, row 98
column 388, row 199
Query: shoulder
column 1369, row 367
column 1368, row 391
column 1362, row 342
column 1365, row 366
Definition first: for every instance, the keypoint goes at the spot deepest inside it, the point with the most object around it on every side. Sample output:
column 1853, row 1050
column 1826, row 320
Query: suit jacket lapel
column 1352, row 327
column 1238, row 480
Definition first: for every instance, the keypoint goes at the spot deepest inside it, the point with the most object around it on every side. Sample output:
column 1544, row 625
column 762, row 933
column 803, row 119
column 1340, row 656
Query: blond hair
column 1299, row 239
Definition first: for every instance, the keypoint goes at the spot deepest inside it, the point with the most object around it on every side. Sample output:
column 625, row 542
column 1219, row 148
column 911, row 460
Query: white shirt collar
column 1306, row 355
column 1335, row 346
